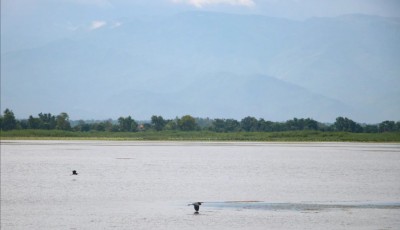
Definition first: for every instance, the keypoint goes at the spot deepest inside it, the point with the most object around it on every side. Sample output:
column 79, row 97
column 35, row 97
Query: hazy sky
column 280, row 8
column 35, row 26
column 42, row 21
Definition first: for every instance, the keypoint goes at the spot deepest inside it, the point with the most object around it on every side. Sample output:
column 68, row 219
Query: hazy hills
column 213, row 65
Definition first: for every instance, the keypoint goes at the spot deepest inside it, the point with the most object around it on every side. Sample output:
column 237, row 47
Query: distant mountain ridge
column 214, row 65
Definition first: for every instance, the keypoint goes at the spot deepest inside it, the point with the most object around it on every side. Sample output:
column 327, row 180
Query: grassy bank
column 297, row 136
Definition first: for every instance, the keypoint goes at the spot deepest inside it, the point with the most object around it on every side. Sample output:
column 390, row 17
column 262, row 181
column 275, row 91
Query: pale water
column 147, row 185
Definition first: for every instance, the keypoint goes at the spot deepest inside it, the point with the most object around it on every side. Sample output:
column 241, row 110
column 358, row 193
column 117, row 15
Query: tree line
column 48, row 121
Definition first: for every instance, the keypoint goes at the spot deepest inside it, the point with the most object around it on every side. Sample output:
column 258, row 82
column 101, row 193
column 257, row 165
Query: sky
column 41, row 21
column 33, row 24
column 294, row 9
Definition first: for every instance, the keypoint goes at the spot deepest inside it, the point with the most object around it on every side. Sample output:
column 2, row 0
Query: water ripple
column 303, row 206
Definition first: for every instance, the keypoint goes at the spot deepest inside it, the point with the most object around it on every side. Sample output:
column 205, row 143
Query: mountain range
column 213, row 65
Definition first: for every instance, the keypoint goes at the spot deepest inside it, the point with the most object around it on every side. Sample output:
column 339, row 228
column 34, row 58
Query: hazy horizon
column 276, row 60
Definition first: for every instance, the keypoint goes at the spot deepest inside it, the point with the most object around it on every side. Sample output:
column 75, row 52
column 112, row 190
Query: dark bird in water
column 196, row 205
column 74, row 172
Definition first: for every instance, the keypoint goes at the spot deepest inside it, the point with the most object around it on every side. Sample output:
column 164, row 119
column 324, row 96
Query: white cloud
column 97, row 24
column 201, row 3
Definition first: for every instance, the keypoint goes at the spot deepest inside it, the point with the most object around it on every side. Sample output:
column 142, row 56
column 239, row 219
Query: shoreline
column 205, row 136
column 185, row 142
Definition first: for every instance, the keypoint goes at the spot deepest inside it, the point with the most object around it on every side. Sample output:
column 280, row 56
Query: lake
column 148, row 185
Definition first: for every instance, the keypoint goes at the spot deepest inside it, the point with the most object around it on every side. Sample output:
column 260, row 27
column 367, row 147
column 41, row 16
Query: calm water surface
column 147, row 185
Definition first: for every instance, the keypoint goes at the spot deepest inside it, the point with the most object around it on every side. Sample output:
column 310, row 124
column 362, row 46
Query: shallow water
column 147, row 185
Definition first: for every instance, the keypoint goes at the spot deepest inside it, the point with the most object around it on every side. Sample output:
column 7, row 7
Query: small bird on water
column 74, row 172
column 196, row 206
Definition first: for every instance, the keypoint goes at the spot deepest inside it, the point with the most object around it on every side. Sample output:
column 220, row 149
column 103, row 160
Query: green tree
column 387, row 126
column 340, row 124
column 109, row 126
column 187, row 123
column 99, row 126
column 219, row 125
column 249, row 124
column 34, row 123
column 265, row 126
column 346, row 125
column 294, row 124
column 232, row 125
column 158, row 122
column 228, row 125
column 8, row 122
column 371, row 129
column 171, row 125
column 127, row 124
column 82, row 126
column 48, row 121
column 204, row 123
column 301, row 124
column 62, row 122
column 310, row 124
column 22, row 124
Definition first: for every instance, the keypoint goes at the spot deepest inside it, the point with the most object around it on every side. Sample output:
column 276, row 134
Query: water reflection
column 147, row 185
column 302, row 206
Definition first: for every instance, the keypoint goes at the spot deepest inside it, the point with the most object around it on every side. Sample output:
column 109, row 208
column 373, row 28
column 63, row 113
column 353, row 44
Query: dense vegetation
column 190, row 128
column 292, row 136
